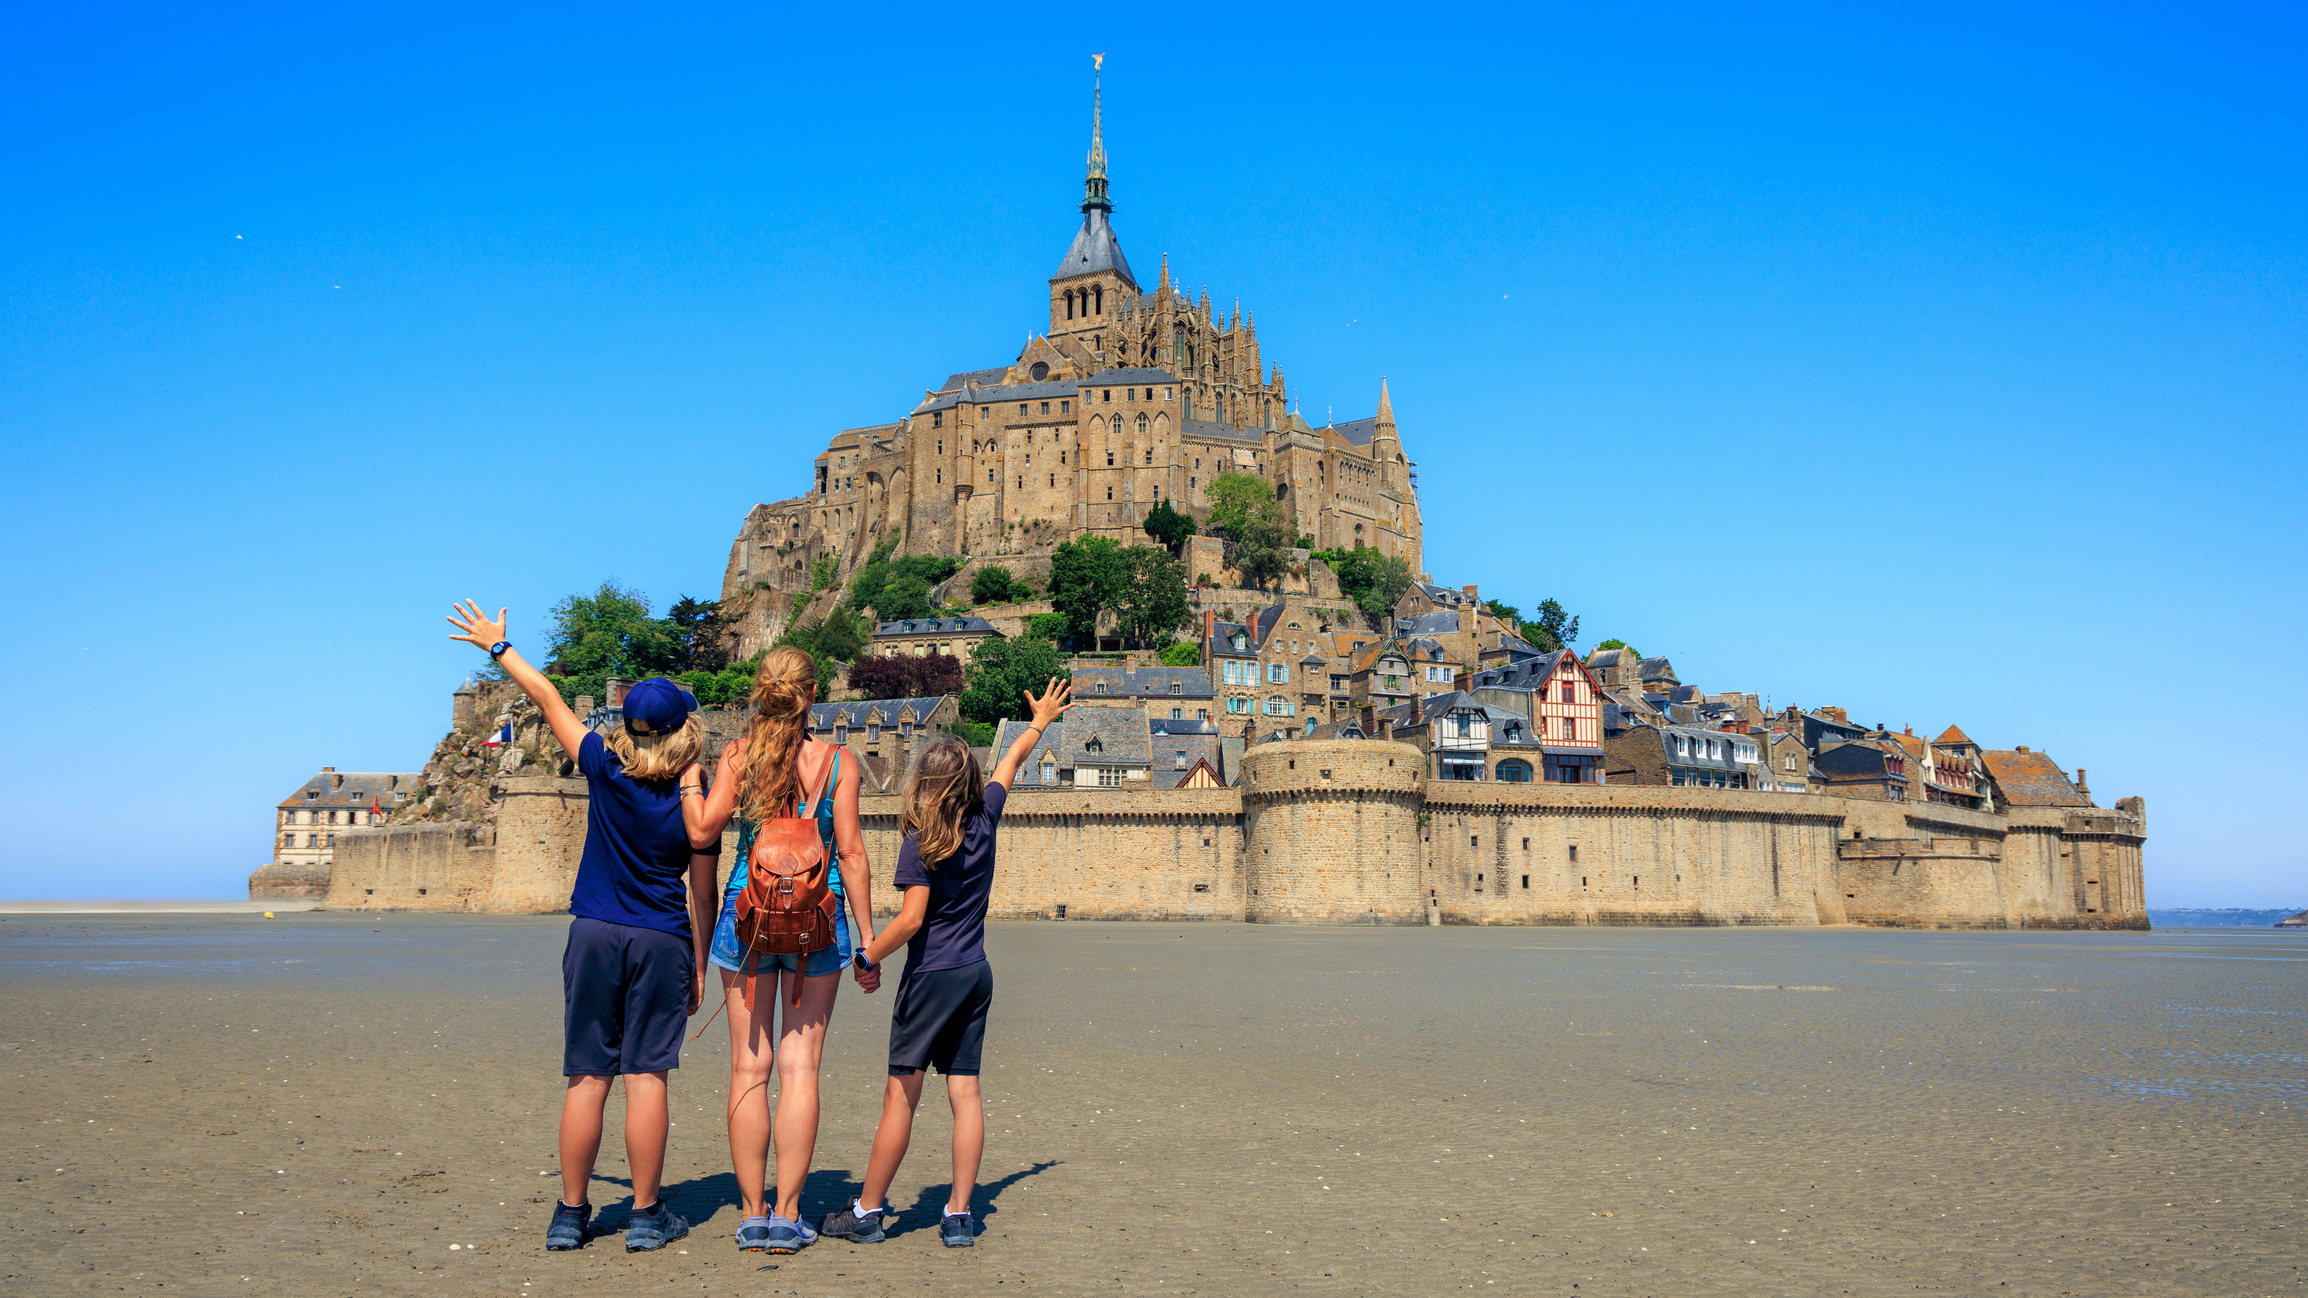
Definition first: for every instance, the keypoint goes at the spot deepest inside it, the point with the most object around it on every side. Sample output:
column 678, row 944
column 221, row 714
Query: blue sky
column 1943, row 364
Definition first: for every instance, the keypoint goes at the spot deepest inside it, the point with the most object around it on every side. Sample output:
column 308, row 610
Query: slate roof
column 1223, row 633
column 1227, row 432
column 1005, row 392
column 2031, row 779
column 1356, row 432
column 857, row 712
column 1143, row 682
column 1518, row 648
column 1445, row 595
column 1655, row 669
column 1314, row 660
column 982, row 377
column 359, row 788
column 1520, row 674
column 1268, row 618
column 1442, row 621
column 1699, row 738
column 935, row 626
column 1094, row 249
column 1437, row 705
column 1605, row 657
column 1120, row 734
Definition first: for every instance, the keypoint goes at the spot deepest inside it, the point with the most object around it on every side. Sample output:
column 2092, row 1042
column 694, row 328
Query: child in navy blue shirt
column 633, row 970
column 946, row 867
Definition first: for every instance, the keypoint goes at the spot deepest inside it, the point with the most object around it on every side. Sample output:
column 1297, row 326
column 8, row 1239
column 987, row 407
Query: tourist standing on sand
column 946, row 866
column 634, row 967
column 771, row 773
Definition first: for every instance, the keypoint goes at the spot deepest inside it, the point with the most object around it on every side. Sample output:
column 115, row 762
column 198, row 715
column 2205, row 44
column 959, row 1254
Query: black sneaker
column 844, row 1223
column 568, row 1228
column 653, row 1227
column 956, row 1231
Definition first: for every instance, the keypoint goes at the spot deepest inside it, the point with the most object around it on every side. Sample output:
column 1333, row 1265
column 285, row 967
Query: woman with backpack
column 780, row 939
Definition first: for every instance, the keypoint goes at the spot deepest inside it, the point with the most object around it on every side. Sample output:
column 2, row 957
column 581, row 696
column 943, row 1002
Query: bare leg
column 892, row 1136
column 969, row 1138
column 580, row 1135
column 645, row 1124
column 799, row 1049
column 751, row 1034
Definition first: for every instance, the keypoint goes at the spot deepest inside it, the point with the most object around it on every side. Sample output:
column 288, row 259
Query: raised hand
column 1052, row 702
column 474, row 628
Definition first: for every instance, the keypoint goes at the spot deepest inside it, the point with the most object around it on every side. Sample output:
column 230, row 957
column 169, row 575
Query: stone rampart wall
column 1624, row 854
column 1350, row 832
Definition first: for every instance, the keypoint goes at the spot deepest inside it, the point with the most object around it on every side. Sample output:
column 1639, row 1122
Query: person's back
column 946, row 869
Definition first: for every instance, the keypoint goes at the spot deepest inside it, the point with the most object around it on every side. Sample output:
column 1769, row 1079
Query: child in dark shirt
column 946, row 868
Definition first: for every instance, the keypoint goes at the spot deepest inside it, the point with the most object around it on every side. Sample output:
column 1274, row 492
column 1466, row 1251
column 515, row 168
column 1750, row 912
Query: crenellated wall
column 1348, row 831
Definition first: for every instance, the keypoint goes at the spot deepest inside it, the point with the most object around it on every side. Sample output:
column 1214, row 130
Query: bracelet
column 687, row 791
column 714, row 850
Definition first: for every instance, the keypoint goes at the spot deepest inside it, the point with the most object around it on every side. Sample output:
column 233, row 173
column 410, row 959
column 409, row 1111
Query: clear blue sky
column 1943, row 364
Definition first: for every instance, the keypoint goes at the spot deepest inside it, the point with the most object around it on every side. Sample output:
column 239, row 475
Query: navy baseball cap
column 659, row 705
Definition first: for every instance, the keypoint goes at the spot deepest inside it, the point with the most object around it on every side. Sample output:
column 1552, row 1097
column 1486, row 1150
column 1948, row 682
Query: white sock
column 861, row 1212
column 951, row 1213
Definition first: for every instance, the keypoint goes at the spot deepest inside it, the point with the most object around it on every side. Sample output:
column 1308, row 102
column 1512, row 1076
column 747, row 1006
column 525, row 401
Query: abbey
column 1127, row 397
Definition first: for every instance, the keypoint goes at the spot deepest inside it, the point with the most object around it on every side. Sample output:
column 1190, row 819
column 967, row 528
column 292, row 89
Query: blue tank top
column 746, row 829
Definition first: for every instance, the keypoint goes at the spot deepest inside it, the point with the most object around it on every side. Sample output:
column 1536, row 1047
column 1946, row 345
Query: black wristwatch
column 861, row 964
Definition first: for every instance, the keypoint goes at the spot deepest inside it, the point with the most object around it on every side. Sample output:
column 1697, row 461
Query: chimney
column 1472, row 598
column 584, row 706
column 335, row 781
column 617, row 687
column 2020, row 749
column 1907, row 730
column 1209, row 624
column 326, row 769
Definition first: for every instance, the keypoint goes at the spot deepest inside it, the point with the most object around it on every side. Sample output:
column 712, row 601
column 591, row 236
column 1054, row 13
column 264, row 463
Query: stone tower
column 1094, row 283
column 1330, row 828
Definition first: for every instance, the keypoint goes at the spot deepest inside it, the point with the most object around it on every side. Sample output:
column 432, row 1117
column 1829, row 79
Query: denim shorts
column 729, row 954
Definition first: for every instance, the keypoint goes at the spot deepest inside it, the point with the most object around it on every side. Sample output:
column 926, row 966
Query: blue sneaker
column 786, row 1236
column 568, row 1228
column 844, row 1223
column 957, row 1232
column 753, row 1234
column 653, row 1228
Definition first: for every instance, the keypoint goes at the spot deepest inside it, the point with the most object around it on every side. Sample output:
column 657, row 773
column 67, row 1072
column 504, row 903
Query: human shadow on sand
column 701, row 1199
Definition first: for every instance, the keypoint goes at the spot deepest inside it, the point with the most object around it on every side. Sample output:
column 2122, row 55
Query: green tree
column 831, row 642
column 610, row 633
column 823, row 569
column 1155, row 603
column 730, row 685
column 1259, row 534
column 1503, row 612
column 1047, row 626
column 977, row 734
column 1168, row 526
column 993, row 584
column 1087, row 577
column 1001, row 670
column 1632, row 651
column 1182, row 653
column 703, row 633
column 1553, row 628
column 1374, row 581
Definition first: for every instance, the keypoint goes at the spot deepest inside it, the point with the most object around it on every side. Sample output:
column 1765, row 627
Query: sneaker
column 844, row 1223
column 808, row 1236
column 653, row 1227
column 956, row 1232
column 787, row 1236
column 753, row 1234
column 568, row 1228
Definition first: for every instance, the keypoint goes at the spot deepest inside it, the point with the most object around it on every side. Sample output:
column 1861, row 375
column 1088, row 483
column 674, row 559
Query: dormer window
column 1093, row 746
column 1177, row 686
column 1101, row 690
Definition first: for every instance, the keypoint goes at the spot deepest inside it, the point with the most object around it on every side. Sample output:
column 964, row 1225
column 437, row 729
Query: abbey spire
column 1094, row 185
column 1091, row 286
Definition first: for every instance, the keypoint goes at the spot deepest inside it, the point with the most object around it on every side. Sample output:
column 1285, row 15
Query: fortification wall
column 277, row 882
column 1626, row 854
column 1331, row 832
column 447, row 867
column 540, row 838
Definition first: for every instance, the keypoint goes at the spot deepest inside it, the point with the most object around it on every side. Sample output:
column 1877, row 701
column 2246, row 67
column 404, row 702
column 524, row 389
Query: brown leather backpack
column 787, row 905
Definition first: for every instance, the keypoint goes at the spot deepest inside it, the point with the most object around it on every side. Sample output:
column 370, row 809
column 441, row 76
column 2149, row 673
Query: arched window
column 1100, row 298
column 1141, row 425
column 1040, row 371
column 1069, row 304
column 1219, row 404
column 1514, row 770
column 1178, row 346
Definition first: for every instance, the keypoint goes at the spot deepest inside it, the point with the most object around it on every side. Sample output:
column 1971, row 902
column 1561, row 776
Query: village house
column 1865, row 768
column 1181, row 693
column 881, row 735
column 1465, row 739
column 1394, row 671
column 1559, row 698
column 1683, row 756
column 1186, row 754
column 2022, row 777
column 1093, row 748
column 306, row 822
column 921, row 637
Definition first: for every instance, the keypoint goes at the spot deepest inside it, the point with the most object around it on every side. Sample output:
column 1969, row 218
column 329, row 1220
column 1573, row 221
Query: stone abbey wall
column 1348, row 832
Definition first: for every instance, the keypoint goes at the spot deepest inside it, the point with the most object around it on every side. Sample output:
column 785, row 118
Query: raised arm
column 476, row 629
column 720, row 803
column 1050, row 706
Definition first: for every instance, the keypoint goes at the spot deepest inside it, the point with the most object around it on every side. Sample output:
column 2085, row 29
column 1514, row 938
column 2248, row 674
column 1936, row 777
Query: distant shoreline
column 184, row 906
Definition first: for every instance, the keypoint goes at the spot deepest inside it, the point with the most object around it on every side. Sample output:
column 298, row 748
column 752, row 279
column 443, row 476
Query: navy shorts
column 625, row 994
column 940, row 1020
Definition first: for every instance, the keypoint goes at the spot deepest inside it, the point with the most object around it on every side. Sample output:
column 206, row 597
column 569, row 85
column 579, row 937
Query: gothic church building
column 1129, row 397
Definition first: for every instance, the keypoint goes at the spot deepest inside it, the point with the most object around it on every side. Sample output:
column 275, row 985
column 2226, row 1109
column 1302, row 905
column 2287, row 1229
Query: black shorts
column 625, row 996
column 940, row 1020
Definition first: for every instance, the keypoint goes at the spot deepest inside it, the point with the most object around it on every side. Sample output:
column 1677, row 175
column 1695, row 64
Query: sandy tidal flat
column 329, row 1104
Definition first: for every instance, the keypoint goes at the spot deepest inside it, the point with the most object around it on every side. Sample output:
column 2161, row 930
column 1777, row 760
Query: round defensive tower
column 1331, row 831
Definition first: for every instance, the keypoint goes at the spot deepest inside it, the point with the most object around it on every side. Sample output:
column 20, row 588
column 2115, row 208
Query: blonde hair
column 944, row 787
column 782, row 691
column 659, row 756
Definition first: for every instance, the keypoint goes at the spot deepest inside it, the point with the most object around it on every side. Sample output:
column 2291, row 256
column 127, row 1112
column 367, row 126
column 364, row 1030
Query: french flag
column 503, row 736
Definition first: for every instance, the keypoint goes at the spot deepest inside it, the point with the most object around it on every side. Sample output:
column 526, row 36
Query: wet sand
column 326, row 1104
